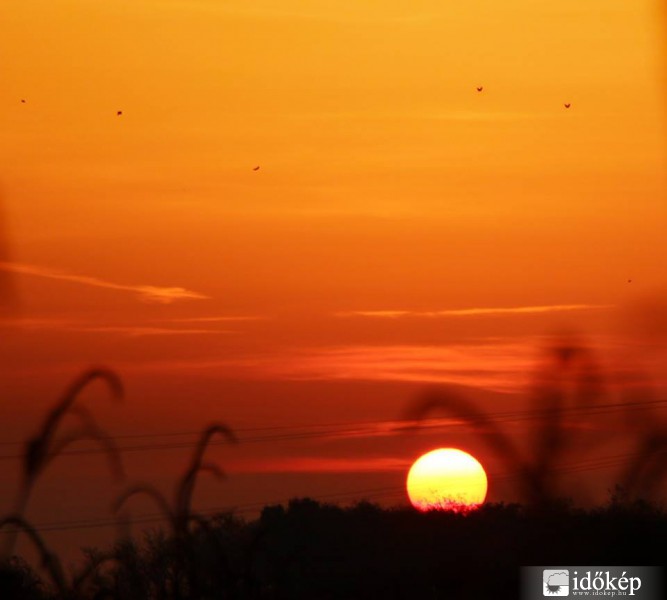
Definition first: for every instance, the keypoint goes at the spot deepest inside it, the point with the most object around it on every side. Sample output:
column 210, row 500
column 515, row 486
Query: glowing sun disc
column 446, row 479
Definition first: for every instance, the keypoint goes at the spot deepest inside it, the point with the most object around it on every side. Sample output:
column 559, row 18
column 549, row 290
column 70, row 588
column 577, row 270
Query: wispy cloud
column 41, row 324
column 148, row 293
column 370, row 429
column 493, row 364
column 138, row 331
column 219, row 319
column 473, row 312
column 319, row 465
column 37, row 323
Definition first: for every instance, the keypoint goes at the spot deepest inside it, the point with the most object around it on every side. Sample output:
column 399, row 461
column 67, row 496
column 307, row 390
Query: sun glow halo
column 447, row 479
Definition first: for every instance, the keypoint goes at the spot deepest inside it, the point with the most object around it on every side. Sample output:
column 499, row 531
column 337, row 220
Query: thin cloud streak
column 146, row 331
column 319, row 465
column 75, row 326
column 383, row 429
column 148, row 293
column 473, row 312
column 498, row 367
column 493, row 365
column 222, row 319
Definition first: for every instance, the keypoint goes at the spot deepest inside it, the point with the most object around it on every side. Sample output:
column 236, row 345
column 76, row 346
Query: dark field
column 309, row 550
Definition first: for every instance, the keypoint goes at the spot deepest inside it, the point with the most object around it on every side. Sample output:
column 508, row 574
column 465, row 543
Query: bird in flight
column 256, row 168
column 480, row 88
column 119, row 113
column 22, row 100
column 567, row 105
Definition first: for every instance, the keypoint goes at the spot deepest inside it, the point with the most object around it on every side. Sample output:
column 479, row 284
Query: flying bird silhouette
column 480, row 88
column 119, row 113
column 22, row 100
column 567, row 105
column 256, row 168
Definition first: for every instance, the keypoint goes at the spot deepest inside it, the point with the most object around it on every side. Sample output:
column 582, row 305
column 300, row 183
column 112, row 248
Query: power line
column 644, row 404
column 311, row 431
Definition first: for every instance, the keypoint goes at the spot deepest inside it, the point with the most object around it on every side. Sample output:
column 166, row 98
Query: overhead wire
column 363, row 427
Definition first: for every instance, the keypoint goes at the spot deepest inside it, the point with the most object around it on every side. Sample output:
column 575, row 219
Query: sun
column 447, row 479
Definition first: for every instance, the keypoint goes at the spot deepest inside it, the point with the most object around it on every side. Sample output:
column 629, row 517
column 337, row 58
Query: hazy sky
column 402, row 228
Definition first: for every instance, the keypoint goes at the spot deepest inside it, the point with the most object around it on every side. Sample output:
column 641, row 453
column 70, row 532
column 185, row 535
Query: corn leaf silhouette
column 570, row 378
column 39, row 448
column 49, row 561
column 46, row 445
column 180, row 514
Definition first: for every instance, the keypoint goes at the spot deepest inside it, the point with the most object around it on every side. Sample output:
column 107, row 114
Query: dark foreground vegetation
column 310, row 550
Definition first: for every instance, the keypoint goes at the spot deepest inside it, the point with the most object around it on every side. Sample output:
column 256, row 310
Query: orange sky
column 393, row 200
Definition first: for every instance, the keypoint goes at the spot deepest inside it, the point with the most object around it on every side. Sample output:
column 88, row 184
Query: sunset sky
column 402, row 229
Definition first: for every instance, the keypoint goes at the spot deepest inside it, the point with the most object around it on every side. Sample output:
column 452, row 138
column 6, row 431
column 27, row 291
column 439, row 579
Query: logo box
column 640, row 583
column 556, row 582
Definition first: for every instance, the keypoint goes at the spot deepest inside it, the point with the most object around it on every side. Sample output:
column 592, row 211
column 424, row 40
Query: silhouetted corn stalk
column 88, row 571
column 571, row 374
column 570, row 379
column 49, row 561
column 180, row 513
column 46, row 445
column 500, row 443
column 648, row 469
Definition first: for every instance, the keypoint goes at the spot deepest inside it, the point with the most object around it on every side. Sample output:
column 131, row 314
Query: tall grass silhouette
column 179, row 514
column 49, row 561
column 569, row 379
column 48, row 443
column 183, row 577
column 51, row 564
column 646, row 472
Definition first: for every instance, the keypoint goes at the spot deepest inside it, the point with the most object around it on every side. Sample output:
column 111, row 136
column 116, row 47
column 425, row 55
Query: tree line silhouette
column 310, row 550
